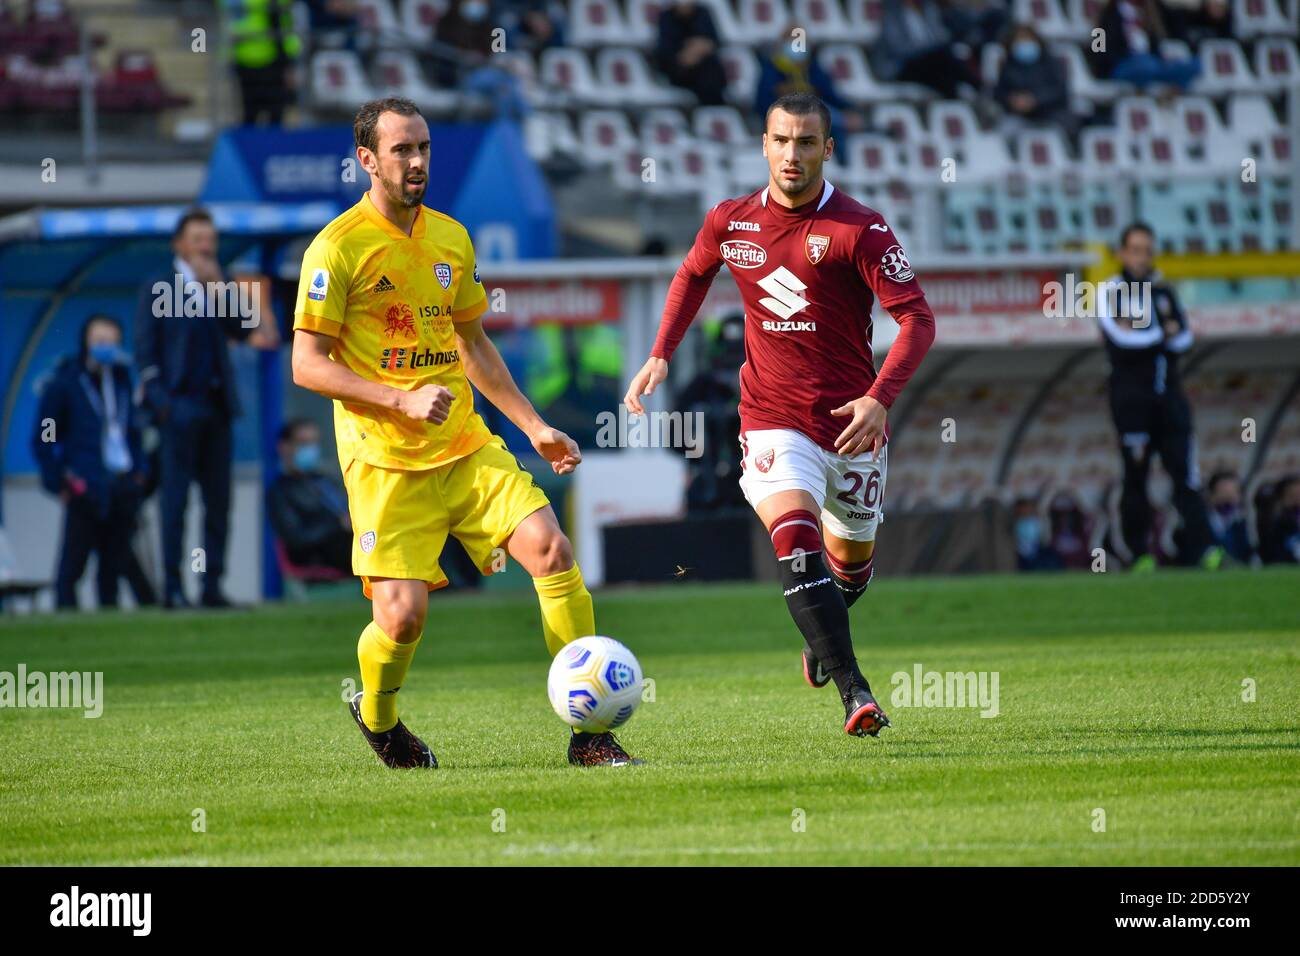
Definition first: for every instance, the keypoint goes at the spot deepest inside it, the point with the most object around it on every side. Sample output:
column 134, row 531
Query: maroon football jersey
column 809, row 277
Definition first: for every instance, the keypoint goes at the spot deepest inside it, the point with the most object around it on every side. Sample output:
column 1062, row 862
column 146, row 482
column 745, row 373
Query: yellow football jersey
column 391, row 301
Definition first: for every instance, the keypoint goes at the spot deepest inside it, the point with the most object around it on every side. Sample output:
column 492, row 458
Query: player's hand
column 654, row 371
column 866, row 432
column 428, row 403
column 557, row 448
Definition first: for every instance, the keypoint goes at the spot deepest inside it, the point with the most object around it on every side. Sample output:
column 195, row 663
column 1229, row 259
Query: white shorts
column 849, row 491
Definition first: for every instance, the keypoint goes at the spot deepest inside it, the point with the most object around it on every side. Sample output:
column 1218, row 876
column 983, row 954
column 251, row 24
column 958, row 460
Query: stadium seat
column 722, row 125
column 901, row 121
column 992, row 56
column 823, row 19
column 521, row 65
column 550, row 134
column 1086, row 89
column 955, row 129
column 1043, row 155
column 664, row 131
column 397, row 73
column 761, row 21
column 1083, row 16
column 568, row 70
column 643, row 21
column 420, row 19
column 606, row 134
column 742, row 74
column 594, row 23
column 1256, row 18
column 1046, row 16
column 338, row 81
column 870, row 159
column 848, row 67
column 1205, row 136
column 1277, row 65
column 1224, row 69
column 625, row 78
column 1251, row 121
column 863, row 18
column 376, row 18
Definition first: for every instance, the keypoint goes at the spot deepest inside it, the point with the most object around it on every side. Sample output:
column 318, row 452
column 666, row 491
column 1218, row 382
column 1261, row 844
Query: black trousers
column 195, row 447
column 264, row 92
column 1161, row 425
column 88, row 529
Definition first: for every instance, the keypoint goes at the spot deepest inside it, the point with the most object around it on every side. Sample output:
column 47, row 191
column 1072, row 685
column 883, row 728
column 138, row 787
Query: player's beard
column 793, row 187
column 402, row 192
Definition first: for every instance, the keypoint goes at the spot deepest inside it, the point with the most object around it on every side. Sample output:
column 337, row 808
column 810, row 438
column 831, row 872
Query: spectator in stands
column 1145, row 332
column 1227, row 520
column 1069, row 530
column 916, row 46
column 333, row 23
column 466, row 34
column 308, row 509
column 687, row 52
column 1280, row 525
column 1033, row 553
column 188, row 386
column 87, row 444
column 534, row 25
column 1195, row 20
column 976, row 22
column 1130, row 51
column 1032, row 87
column 263, row 45
column 786, row 67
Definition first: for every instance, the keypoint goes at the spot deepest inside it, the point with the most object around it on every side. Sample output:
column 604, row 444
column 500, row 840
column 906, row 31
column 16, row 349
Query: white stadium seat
column 823, row 19
column 397, row 74
column 338, row 81
column 626, row 79
column 1277, row 65
column 724, row 19
column 1224, row 69
column 1255, row 18
column 742, row 74
column 376, row 17
column 862, row 18
column 643, row 21
column 595, row 23
column 664, row 129
column 568, row 70
column 848, row 67
column 722, row 125
column 420, row 19
column 606, row 135
column 762, row 21
column 1046, row 16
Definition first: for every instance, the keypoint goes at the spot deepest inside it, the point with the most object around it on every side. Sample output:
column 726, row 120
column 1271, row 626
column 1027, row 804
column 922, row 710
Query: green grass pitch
column 1119, row 694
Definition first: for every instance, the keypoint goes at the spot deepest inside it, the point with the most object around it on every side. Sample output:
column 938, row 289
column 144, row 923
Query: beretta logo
column 743, row 254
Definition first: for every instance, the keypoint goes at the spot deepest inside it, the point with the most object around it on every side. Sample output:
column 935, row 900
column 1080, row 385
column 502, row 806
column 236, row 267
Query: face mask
column 306, row 457
column 474, row 12
column 796, row 56
column 105, row 353
column 1027, row 535
column 1025, row 51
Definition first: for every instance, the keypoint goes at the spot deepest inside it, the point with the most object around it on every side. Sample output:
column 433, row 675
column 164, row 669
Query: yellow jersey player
column 388, row 324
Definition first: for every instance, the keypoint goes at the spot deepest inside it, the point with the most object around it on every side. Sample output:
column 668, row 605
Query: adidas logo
column 383, row 285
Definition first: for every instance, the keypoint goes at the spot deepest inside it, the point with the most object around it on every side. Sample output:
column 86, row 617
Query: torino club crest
column 815, row 247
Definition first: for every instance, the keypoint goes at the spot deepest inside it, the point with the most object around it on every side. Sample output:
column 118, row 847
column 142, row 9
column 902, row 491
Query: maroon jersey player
column 810, row 262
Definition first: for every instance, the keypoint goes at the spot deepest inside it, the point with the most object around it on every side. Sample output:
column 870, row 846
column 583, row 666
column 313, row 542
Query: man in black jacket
column 188, row 386
column 308, row 509
column 687, row 52
column 1145, row 331
column 87, row 444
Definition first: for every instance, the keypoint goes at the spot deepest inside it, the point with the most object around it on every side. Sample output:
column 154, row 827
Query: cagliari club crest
column 442, row 272
column 815, row 247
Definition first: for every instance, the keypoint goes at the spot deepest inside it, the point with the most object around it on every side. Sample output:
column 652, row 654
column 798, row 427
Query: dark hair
column 1133, row 227
column 1221, row 476
column 801, row 104
column 292, row 425
column 363, row 127
column 193, row 214
column 85, row 329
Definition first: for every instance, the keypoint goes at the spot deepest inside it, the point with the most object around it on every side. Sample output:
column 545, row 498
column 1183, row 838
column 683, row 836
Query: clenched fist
column 428, row 403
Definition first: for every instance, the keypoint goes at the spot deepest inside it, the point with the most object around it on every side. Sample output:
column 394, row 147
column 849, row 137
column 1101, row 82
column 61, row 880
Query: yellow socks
column 566, row 608
column 383, row 668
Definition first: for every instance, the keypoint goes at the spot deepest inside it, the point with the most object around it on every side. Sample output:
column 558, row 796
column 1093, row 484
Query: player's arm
column 685, row 296
column 1178, row 334
column 488, row 373
column 884, row 267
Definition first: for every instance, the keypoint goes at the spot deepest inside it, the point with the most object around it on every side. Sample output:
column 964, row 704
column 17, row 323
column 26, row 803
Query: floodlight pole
column 89, row 142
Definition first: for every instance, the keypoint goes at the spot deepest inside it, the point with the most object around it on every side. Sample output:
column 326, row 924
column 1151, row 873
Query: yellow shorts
column 401, row 519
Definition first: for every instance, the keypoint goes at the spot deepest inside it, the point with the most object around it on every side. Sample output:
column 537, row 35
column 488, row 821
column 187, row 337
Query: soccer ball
column 594, row 684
